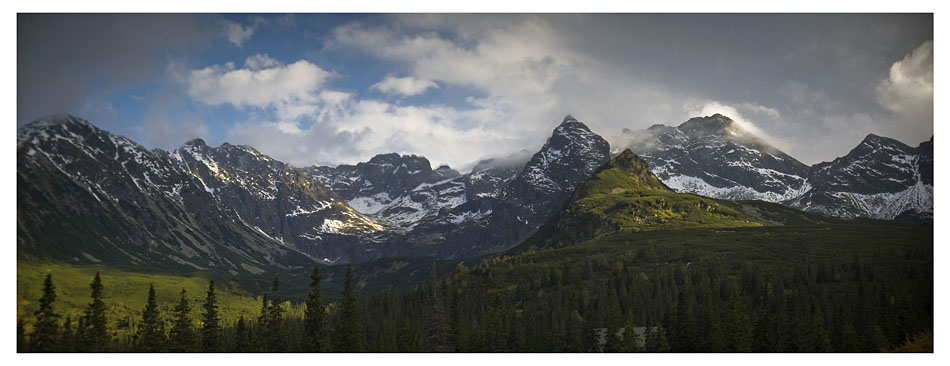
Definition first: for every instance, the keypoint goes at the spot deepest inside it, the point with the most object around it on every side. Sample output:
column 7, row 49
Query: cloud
column 908, row 91
column 236, row 33
column 354, row 130
column 65, row 59
column 294, row 116
column 168, row 122
column 760, row 109
column 505, row 81
column 709, row 108
column 292, row 90
column 406, row 86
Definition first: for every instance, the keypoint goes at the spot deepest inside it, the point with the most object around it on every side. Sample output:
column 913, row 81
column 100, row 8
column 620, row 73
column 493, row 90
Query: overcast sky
column 331, row 89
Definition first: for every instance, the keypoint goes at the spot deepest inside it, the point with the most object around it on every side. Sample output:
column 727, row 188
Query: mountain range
column 85, row 195
column 715, row 157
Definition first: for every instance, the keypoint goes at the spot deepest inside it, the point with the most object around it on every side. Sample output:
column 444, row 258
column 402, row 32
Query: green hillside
column 125, row 293
column 844, row 286
column 624, row 196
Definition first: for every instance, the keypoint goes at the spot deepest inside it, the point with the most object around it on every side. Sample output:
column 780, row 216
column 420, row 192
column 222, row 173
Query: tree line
column 270, row 332
column 597, row 303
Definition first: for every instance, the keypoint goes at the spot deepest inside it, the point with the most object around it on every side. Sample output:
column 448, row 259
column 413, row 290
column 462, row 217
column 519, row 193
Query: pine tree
column 684, row 328
column 435, row 323
column 316, row 329
column 243, row 340
column 455, row 322
column 738, row 324
column 21, row 345
column 495, row 327
column 713, row 337
column 656, row 340
column 263, row 323
column 274, row 331
column 574, row 333
column 182, row 334
column 349, row 331
column 629, row 343
column 79, row 340
column 67, row 337
column 151, row 334
column 849, row 339
column 822, row 339
column 210, row 329
column 95, row 333
column 46, row 329
column 406, row 342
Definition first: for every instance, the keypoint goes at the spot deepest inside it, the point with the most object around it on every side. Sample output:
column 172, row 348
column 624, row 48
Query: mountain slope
column 400, row 189
column 85, row 195
column 879, row 178
column 493, row 219
column 713, row 156
column 569, row 157
column 624, row 196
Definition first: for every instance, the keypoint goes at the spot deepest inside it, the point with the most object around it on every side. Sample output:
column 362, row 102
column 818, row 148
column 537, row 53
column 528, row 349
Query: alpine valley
column 553, row 250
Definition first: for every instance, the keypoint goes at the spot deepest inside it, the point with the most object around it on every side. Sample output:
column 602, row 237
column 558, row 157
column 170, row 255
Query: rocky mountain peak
column 716, row 124
column 872, row 139
column 570, row 125
column 57, row 119
column 197, row 142
column 631, row 163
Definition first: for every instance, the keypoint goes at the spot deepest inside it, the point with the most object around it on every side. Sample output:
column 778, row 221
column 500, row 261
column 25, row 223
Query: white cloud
column 524, row 74
column 406, row 86
column 292, row 90
column 354, row 131
column 760, row 109
column 236, row 33
column 521, row 73
column 167, row 123
column 908, row 90
column 260, row 61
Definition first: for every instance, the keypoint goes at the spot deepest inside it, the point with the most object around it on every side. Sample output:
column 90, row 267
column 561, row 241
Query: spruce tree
column 21, row 344
column 79, row 337
column 274, row 332
column 349, row 331
column 316, row 329
column 455, row 321
column 738, row 324
column 67, row 336
column 574, row 333
column 182, row 335
column 151, row 334
column 95, row 333
column 656, row 340
column 630, row 343
column 46, row 329
column 263, row 324
column 436, row 331
column 849, row 339
column 210, row 329
column 496, row 328
column 243, row 340
column 712, row 338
